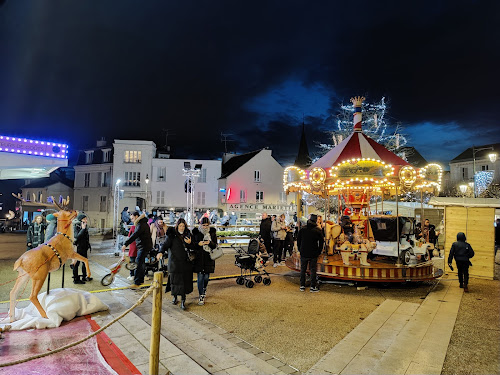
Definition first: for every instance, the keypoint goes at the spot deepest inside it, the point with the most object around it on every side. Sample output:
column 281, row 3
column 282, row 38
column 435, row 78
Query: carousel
column 361, row 246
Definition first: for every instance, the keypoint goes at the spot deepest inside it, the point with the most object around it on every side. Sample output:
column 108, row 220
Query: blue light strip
column 24, row 146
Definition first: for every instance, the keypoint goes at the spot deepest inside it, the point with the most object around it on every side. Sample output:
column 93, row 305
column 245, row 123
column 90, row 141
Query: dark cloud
column 75, row 71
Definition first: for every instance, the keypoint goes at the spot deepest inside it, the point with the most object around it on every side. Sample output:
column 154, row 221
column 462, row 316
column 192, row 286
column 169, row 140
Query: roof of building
column 98, row 155
column 483, row 152
column 236, row 162
column 412, row 156
column 303, row 159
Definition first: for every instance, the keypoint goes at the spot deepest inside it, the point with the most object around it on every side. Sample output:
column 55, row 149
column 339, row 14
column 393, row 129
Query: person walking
column 265, row 231
column 462, row 252
column 82, row 242
column 158, row 231
column 278, row 227
column 310, row 243
column 142, row 238
column 177, row 247
column 204, row 240
column 36, row 233
column 132, row 252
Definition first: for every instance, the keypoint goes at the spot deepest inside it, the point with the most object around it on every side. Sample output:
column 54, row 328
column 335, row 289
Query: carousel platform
column 379, row 270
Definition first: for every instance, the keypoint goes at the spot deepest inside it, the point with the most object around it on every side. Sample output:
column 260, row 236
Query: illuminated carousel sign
column 24, row 146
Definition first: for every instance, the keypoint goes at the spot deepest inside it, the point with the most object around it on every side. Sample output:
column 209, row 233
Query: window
column 85, row 203
column 86, row 182
column 282, row 197
column 89, row 157
column 132, row 179
column 103, row 179
column 106, row 156
column 465, row 173
column 160, row 197
column 484, row 167
column 161, row 174
column 243, row 196
column 103, row 205
column 203, row 175
column 259, row 197
column 133, row 157
column 256, row 176
column 200, row 198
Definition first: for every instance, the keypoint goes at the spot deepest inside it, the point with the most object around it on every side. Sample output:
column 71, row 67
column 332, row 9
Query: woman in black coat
column 204, row 240
column 180, row 269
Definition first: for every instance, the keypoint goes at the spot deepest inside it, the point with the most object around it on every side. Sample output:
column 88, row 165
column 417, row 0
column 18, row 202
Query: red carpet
column 86, row 358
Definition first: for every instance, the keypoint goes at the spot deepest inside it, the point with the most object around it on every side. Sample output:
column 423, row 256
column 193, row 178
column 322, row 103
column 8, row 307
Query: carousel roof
column 358, row 145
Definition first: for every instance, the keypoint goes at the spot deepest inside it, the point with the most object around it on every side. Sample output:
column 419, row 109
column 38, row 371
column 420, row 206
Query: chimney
column 226, row 156
column 101, row 142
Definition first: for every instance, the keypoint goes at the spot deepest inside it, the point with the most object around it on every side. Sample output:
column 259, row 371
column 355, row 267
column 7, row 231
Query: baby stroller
column 151, row 262
column 252, row 260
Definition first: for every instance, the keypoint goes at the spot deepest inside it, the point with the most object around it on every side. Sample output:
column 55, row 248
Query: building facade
column 168, row 185
column 93, row 184
column 132, row 165
column 252, row 183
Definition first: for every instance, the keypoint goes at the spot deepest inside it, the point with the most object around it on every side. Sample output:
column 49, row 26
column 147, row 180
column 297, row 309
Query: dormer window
column 89, row 157
column 106, row 155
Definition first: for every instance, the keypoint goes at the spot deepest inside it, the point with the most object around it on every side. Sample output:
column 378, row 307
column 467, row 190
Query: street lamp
column 492, row 156
column 191, row 174
column 116, row 216
column 146, row 203
column 463, row 189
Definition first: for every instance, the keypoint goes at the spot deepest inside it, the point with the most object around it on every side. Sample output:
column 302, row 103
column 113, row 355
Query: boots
column 174, row 301
column 183, row 304
column 78, row 280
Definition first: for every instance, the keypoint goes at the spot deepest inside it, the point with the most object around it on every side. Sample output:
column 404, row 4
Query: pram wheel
column 240, row 280
column 249, row 284
column 108, row 279
column 131, row 266
column 258, row 279
column 266, row 281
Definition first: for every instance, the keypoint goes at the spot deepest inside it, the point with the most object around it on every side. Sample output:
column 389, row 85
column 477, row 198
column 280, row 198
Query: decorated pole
column 357, row 101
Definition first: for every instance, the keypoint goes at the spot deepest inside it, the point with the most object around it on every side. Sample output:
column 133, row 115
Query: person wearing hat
column 51, row 227
column 82, row 242
column 310, row 243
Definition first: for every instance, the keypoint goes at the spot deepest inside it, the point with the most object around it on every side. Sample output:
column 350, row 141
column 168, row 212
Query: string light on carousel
column 379, row 247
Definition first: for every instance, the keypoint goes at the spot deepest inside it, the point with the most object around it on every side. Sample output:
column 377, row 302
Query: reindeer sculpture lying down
column 38, row 262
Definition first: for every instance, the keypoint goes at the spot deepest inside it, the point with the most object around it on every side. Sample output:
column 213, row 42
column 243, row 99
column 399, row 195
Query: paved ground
column 287, row 330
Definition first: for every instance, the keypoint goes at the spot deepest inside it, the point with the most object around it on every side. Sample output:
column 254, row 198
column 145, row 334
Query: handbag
column 216, row 253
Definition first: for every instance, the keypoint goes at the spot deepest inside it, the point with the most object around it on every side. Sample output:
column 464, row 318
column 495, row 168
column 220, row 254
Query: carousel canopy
column 358, row 146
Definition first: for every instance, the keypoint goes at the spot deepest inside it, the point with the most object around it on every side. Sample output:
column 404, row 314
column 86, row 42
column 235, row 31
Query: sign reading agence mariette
column 25, row 146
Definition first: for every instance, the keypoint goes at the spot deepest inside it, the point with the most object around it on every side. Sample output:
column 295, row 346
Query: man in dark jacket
column 265, row 231
column 82, row 242
column 462, row 252
column 310, row 243
column 142, row 238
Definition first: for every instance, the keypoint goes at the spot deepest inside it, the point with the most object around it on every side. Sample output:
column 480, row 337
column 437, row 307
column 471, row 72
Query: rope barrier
column 139, row 302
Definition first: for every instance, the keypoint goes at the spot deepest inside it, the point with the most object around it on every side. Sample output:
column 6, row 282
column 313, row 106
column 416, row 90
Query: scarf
column 206, row 237
column 160, row 231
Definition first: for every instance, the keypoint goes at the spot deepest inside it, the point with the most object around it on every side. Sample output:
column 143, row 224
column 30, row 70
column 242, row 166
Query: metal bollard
column 154, row 348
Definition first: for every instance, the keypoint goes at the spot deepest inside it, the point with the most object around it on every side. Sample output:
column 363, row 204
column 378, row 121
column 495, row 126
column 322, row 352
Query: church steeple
column 303, row 159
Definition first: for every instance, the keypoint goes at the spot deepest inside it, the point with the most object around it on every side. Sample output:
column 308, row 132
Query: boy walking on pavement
column 310, row 243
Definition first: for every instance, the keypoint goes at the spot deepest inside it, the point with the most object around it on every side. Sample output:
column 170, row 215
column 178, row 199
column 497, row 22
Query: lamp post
column 146, row 201
column 191, row 174
column 116, row 216
column 492, row 156
column 463, row 189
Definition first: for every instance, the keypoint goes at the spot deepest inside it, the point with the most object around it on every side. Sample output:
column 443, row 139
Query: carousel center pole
column 398, row 263
column 327, row 211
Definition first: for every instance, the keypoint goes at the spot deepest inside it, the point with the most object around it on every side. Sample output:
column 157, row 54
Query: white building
column 132, row 165
column 168, row 185
column 252, row 183
column 93, row 184
column 476, row 160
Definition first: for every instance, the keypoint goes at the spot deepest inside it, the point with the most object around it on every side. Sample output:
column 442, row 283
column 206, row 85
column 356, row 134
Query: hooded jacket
column 82, row 239
column 141, row 236
column 460, row 250
column 279, row 229
column 310, row 240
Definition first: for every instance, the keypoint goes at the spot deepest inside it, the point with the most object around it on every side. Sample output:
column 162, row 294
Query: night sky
column 74, row 71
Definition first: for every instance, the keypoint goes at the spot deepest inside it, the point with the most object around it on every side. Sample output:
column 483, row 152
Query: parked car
column 384, row 229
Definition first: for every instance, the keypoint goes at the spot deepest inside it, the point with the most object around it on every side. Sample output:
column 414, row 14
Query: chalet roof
column 236, row 162
column 482, row 154
column 48, row 181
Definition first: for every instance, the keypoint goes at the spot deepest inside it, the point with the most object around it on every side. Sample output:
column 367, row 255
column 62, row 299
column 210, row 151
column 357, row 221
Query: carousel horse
column 332, row 233
column 47, row 257
column 360, row 248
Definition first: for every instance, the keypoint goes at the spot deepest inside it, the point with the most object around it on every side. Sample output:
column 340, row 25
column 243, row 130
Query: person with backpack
column 462, row 252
